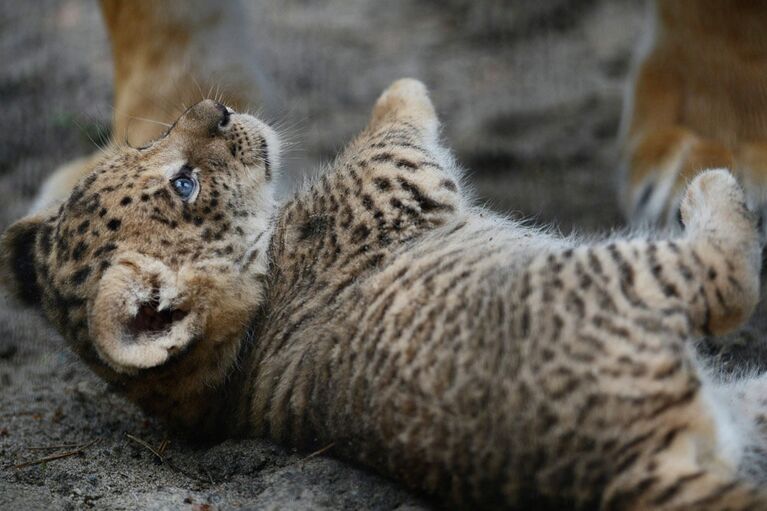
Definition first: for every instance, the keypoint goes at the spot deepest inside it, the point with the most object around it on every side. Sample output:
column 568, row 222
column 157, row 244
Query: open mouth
column 151, row 320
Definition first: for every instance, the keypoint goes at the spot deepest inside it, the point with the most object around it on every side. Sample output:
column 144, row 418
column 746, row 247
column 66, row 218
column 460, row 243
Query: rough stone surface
column 530, row 95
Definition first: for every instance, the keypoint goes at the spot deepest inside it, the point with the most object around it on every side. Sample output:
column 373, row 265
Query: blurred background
column 529, row 92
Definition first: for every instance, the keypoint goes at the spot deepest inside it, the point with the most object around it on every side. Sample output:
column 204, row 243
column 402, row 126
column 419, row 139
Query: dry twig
column 318, row 452
column 79, row 450
column 165, row 460
column 53, row 447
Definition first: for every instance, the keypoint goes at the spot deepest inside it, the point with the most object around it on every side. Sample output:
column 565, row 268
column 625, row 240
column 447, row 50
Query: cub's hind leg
column 698, row 465
column 706, row 281
column 617, row 322
column 711, row 274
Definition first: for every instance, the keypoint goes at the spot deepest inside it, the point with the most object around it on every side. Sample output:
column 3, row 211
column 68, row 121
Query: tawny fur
column 466, row 355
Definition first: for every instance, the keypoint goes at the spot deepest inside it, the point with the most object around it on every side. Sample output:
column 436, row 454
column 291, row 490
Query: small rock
column 85, row 390
column 58, row 415
column 7, row 352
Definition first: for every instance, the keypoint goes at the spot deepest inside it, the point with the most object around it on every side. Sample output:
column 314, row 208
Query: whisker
column 220, row 95
column 197, row 84
column 176, row 112
column 85, row 132
column 151, row 120
column 170, row 111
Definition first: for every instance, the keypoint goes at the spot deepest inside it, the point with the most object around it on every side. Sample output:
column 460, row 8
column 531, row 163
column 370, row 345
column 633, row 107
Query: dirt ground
column 530, row 95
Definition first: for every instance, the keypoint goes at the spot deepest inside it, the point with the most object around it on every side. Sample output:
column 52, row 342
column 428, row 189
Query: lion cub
column 466, row 355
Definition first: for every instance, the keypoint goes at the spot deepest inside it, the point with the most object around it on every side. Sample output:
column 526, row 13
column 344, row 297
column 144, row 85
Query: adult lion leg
column 167, row 58
column 697, row 102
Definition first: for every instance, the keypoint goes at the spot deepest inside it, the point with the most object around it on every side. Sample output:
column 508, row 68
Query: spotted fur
column 470, row 357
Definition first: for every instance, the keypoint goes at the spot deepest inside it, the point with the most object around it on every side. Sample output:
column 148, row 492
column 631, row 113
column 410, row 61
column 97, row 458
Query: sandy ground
column 530, row 95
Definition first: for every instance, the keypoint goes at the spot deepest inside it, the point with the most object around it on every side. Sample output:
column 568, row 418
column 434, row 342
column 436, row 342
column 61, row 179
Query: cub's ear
column 18, row 259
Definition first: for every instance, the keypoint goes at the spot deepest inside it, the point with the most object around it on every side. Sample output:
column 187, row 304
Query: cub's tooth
column 165, row 303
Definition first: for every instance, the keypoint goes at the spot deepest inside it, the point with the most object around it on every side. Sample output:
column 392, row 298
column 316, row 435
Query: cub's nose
column 226, row 112
column 207, row 116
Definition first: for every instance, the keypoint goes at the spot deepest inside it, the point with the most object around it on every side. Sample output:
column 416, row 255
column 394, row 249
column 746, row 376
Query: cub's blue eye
column 184, row 186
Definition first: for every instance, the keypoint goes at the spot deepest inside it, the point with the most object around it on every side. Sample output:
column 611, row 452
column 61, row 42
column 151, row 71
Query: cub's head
column 154, row 266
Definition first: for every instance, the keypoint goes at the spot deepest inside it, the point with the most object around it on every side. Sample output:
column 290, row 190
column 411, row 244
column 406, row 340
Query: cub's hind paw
column 714, row 203
column 725, row 236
